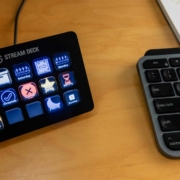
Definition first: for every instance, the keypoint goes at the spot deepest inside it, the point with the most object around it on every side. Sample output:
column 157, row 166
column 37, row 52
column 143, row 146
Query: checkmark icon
column 8, row 97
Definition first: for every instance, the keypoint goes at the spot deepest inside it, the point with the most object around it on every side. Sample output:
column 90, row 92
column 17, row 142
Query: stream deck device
column 42, row 82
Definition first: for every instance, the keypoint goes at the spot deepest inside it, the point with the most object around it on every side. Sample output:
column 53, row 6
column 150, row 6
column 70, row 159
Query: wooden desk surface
column 114, row 141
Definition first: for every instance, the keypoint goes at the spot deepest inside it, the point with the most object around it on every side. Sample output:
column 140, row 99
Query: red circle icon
column 28, row 91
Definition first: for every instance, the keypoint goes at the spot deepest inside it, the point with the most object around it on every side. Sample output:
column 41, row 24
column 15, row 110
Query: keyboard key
column 169, row 75
column 169, row 122
column 61, row 60
column 53, row 103
column 172, row 140
column 42, row 66
column 161, row 90
column 34, row 109
column 14, row 115
column 156, row 63
column 72, row 97
column 28, row 91
column 67, row 79
column 5, row 78
column 178, row 71
column 48, row 85
column 1, row 124
column 153, row 76
column 175, row 62
column 22, row 71
column 8, row 97
column 168, row 105
column 177, row 88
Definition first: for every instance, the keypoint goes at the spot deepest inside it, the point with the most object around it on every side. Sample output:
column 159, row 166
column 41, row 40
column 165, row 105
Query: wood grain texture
column 115, row 140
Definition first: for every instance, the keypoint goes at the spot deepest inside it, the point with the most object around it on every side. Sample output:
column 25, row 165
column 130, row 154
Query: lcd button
column 28, row 91
column 14, row 115
column 67, row 79
column 34, row 109
column 61, row 60
column 22, row 71
column 72, row 97
column 1, row 124
column 8, row 97
column 48, row 85
column 5, row 78
column 53, row 103
column 42, row 66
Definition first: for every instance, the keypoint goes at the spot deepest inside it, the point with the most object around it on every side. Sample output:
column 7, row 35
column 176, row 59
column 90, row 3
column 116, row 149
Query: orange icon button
column 28, row 91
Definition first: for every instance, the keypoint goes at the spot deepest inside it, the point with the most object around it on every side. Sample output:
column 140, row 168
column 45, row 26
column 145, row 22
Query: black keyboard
column 160, row 78
column 42, row 82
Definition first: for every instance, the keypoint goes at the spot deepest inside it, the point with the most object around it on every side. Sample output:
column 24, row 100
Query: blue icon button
column 72, row 97
column 53, row 103
column 67, row 79
column 42, row 66
column 22, row 71
column 14, row 115
column 1, row 124
column 8, row 97
column 5, row 78
column 48, row 85
column 34, row 109
column 62, row 60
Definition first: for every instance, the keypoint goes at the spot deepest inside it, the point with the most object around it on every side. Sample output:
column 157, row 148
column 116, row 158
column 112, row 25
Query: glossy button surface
column 72, row 97
column 28, row 91
column 62, row 60
column 42, row 66
column 8, row 97
column 14, row 115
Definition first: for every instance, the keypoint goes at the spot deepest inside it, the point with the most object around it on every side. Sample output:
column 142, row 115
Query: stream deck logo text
column 18, row 54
